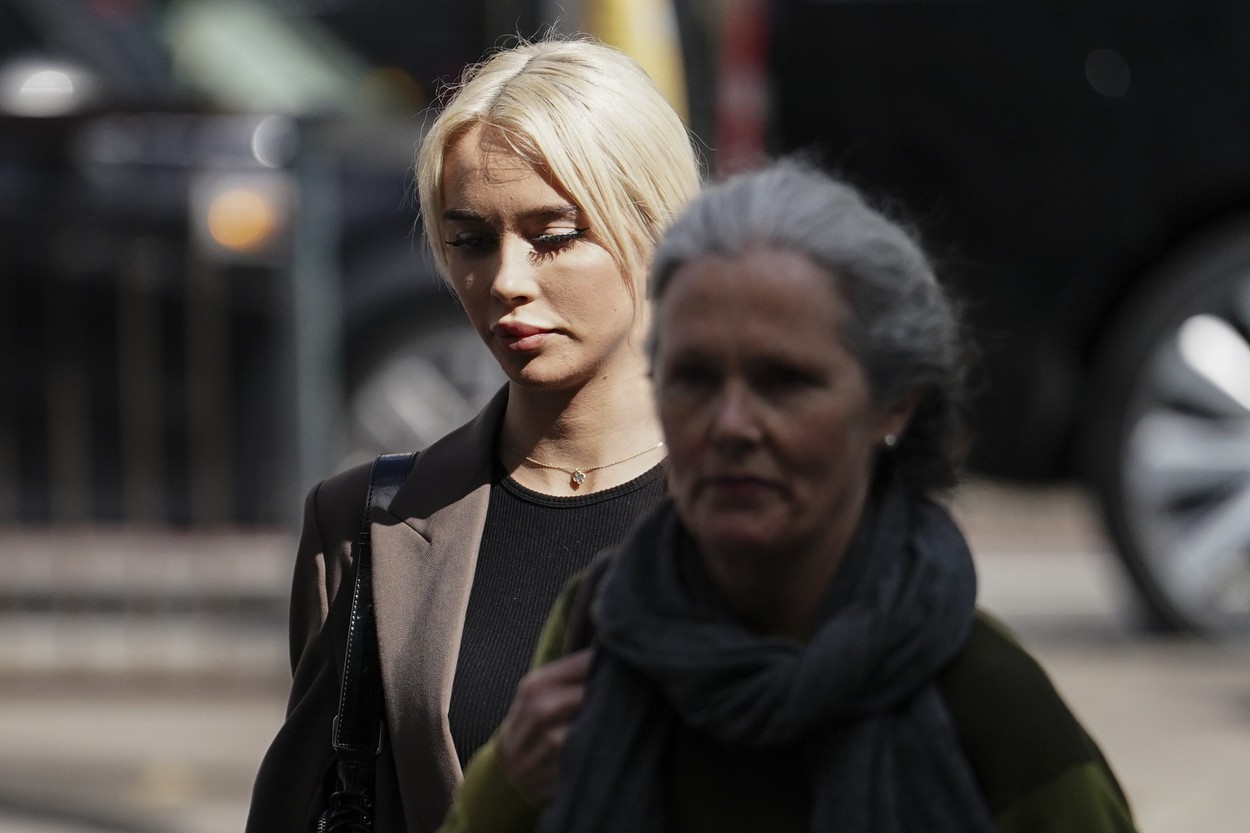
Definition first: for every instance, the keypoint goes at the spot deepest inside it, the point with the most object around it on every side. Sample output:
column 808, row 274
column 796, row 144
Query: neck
column 779, row 591
column 772, row 601
column 590, row 426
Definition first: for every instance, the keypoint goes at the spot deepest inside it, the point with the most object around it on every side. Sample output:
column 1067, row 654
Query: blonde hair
column 586, row 115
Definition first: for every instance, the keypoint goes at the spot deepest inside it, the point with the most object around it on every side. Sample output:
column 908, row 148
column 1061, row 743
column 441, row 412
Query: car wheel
column 416, row 385
column 1170, row 444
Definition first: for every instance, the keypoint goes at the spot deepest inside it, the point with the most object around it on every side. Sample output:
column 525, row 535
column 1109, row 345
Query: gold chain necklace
column 578, row 476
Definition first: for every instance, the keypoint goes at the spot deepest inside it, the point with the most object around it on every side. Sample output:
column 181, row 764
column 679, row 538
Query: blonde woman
column 545, row 184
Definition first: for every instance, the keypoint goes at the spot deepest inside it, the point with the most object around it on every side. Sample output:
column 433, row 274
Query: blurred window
column 249, row 55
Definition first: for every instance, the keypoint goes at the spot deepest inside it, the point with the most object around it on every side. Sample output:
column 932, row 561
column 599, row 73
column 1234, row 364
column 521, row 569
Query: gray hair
column 903, row 328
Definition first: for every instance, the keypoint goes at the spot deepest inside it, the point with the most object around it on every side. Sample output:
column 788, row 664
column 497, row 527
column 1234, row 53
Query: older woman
column 545, row 184
column 792, row 643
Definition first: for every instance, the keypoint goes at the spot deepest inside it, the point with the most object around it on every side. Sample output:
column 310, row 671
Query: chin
column 524, row 371
column 741, row 543
column 538, row 375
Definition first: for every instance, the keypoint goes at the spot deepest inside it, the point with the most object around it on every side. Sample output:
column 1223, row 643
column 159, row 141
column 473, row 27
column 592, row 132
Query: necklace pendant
column 577, row 477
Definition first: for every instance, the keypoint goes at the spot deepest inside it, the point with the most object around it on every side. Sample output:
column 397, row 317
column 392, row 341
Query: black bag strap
column 357, row 734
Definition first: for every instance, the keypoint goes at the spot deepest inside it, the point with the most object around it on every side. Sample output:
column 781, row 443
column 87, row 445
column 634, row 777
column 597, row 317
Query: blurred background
column 213, row 292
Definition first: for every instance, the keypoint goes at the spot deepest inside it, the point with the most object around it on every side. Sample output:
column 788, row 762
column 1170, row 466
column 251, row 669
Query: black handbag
column 359, row 727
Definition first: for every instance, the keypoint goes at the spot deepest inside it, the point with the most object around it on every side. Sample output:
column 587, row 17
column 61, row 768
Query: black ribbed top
column 531, row 545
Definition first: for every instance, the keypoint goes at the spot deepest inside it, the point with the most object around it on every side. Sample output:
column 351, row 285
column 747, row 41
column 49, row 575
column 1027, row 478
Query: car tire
column 414, row 384
column 1169, row 438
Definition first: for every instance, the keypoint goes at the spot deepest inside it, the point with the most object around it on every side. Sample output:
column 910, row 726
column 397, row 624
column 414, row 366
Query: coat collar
column 424, row 555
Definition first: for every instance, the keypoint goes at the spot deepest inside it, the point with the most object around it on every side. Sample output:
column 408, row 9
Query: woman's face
column 770, row 425
column 545, row 296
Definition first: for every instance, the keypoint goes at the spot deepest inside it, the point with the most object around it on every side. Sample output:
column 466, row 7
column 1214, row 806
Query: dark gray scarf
column 884, row 752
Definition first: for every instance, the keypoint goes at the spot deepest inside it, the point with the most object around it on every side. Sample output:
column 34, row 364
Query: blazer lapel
column 425, row 551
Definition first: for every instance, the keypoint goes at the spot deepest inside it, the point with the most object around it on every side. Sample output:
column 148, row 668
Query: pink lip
column 520, row 337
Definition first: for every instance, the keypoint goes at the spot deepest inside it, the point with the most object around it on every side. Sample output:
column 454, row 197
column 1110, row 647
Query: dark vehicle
column 1082, row 170
column 209, row 266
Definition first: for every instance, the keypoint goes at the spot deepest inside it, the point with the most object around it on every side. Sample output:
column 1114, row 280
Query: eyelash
column 546, row 245
column 561, row 238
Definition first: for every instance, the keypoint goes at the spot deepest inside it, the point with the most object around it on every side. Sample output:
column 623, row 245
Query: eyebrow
column 558, row 211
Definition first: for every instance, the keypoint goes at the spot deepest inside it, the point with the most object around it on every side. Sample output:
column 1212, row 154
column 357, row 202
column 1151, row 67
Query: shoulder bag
column 358, row 729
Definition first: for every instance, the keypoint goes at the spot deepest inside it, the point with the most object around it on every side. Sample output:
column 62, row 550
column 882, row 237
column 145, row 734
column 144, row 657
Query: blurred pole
column 140, row 387
column 68, row 407
column 12, row 391
column 209, row 401
column 317, row 328
column 647, row 31
column 742, row 86
column 9, row 502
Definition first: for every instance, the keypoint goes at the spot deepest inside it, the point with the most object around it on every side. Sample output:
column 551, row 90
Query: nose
column 514, row 279
column 735, row 418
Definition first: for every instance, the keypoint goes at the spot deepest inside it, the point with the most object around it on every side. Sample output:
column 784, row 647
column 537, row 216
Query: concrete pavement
column 1172, row 714
column 162, row 730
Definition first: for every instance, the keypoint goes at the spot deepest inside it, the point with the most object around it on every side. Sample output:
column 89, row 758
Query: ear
column 895, row 419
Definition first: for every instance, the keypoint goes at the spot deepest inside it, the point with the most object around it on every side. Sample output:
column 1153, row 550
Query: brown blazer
column 424, row 554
